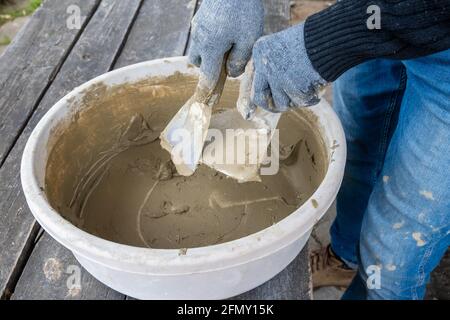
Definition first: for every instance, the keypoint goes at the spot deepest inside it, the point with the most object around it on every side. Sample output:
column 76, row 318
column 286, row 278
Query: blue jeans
column 393, row 210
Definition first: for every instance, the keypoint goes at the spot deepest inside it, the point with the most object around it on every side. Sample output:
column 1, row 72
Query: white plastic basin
column 212, row 272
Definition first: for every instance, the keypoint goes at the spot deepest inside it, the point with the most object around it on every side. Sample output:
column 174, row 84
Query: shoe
column 329, row 270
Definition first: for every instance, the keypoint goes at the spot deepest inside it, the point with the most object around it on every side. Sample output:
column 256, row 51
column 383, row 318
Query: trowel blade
column 239, row 120
column 242, row 143
column 185, row 134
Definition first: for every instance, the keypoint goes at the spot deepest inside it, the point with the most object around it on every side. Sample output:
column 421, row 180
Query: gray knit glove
column 284, row 75
column 221, row 25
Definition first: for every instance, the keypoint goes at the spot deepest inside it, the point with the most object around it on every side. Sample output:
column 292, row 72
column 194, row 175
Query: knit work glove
column 284, row 75
column 221, row 25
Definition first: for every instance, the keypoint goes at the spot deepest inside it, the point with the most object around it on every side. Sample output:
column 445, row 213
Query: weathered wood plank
column 30, row 63
column 52, row 273
column 94, row 53
column 277, row 15
column 161, row 30
column 33, row 276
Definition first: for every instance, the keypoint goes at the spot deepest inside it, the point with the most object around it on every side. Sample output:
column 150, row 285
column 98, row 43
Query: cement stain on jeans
column 108, row 175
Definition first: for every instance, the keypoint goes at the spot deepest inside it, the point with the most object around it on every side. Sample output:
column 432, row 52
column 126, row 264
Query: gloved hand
column 284, row 75
column 221, row 25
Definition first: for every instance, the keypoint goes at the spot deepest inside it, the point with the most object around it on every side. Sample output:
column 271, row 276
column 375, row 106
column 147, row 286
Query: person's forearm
column 338, row 38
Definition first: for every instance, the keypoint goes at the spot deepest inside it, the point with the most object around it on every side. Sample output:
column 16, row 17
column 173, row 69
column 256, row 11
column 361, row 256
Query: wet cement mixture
column 108, row 174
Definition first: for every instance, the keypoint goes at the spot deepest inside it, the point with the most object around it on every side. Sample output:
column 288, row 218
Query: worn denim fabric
column 393, row 210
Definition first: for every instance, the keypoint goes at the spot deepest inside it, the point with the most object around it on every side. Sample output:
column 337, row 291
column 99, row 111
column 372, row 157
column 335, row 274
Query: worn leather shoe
column 329, row 270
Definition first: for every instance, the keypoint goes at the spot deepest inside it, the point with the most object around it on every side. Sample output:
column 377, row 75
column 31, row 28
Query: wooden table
column 47, row 59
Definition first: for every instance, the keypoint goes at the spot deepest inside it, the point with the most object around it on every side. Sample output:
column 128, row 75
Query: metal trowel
column 185, row 134
column 254, row 127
